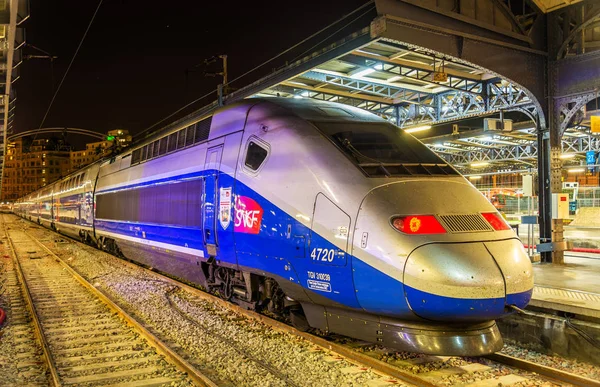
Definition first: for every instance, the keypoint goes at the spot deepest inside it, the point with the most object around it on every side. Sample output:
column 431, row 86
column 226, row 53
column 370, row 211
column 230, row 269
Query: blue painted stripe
column 519, row 299
column 441, row 308
column 172, row 235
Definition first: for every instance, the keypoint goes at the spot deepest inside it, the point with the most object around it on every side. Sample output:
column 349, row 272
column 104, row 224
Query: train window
column 203, row 130
column 150, row 152
column 395, row 151
column 135, row 156
column 255, row 155
column 163, row 146
column 143, row 154
column 172, row 141
column 189, row 135
column 156, row 148
column 181, row 139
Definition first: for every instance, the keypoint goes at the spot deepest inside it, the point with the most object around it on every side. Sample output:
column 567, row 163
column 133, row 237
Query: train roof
column 315, row 110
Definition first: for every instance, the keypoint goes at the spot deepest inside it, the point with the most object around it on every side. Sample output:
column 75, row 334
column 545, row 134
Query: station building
column 31, row 165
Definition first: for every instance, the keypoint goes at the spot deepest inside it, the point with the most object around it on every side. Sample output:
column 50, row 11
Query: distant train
column 317, row 211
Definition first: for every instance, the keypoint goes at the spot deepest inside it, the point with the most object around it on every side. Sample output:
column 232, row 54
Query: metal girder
column 397, row 94
column 524, row 150
column 463, row 43
column 457, row 105
column 84, row 132
column 416, row 73
column 377, row 107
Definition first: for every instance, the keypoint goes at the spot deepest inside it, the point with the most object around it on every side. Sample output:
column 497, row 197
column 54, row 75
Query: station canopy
column 445, row 103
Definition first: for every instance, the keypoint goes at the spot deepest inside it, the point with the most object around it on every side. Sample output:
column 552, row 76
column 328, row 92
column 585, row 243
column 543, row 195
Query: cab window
column 255, row 155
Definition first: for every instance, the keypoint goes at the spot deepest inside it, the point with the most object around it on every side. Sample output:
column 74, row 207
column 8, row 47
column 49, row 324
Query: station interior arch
column 441, row 68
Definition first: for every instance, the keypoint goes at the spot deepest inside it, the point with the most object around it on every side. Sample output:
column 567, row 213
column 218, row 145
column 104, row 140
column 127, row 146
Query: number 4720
column 322, row 255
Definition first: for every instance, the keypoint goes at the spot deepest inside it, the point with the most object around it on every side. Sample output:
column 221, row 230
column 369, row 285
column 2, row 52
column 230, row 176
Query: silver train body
column 318, row 211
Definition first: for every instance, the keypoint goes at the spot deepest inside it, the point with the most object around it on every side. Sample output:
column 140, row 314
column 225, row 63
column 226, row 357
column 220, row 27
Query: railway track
column 85, row 338
column 395, row 368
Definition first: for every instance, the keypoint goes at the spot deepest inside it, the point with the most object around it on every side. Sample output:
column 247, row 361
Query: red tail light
column 418, row 224
column 496, row 221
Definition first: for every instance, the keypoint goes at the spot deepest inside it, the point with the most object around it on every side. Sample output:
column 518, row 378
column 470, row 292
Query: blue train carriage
column 72, row 210
column 44, row 203
column 150, row 201
column 317, row 211
column 340, row 200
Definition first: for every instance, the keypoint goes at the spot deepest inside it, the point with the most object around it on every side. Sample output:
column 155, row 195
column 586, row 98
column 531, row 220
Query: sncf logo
column 248, row 215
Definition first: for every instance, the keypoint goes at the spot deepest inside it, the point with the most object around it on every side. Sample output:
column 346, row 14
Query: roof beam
column 366, row 85
column 408, row 63
column 371, row 98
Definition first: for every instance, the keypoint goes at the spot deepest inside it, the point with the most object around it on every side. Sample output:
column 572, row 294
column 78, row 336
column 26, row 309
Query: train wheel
column 299, row 320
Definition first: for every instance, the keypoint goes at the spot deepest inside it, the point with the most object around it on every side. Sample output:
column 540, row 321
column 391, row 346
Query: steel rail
column 349, row 354
column 562, row 376
column 160, row 347
column 352, row 355
column 39, row 332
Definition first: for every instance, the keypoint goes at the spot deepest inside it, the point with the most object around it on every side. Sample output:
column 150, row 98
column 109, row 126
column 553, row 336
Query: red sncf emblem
column 248, row 215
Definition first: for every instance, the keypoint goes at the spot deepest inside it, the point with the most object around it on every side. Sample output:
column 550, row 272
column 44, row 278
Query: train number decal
column 323, row 255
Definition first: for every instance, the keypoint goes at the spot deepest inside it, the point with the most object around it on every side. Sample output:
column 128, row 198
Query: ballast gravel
column 229, row 348
column 20, row 354
column 189, row 323
column 526, row 352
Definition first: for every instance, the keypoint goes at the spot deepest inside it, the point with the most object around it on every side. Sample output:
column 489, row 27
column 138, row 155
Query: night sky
column 130, row 71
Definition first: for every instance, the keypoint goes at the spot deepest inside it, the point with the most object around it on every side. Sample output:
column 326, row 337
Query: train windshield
column 381, row 149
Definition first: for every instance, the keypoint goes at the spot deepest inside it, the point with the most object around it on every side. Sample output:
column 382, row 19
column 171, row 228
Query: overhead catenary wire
column 331, row 35
column 69, row 67
column 305, row 40
column 367, row 4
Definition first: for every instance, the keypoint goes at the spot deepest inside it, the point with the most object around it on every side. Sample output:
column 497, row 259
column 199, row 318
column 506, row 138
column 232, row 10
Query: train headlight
column 418, row 224
column 496, row 221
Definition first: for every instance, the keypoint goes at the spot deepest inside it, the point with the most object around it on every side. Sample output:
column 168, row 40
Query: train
column 324, row 214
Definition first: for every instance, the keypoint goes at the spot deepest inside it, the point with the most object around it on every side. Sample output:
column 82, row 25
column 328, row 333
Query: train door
column 328, row 252
column 210, row 200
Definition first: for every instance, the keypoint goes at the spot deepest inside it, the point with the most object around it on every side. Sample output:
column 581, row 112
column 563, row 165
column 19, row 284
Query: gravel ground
column 290, row 355
column 573, row 366
column 229, row 348
column 451, row 370
column 20, row 354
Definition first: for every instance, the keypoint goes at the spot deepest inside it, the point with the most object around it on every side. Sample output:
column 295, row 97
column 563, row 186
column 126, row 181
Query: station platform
column 573, row 287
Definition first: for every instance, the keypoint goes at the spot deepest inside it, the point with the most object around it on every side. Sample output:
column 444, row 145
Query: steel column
column 544, row 191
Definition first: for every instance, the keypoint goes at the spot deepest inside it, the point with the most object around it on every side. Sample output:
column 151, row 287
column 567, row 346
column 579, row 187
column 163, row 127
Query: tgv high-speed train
column 318, row 211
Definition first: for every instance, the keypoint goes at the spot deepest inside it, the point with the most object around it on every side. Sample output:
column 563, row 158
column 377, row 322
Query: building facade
column 119, row 138
column 31, row 165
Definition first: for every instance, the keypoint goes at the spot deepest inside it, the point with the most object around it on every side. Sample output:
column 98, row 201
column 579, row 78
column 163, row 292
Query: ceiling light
column 418, row 129
column 576, row 170
column 482, row 164
column 567, row 156
column 474, row 177
column 395, row 78
column 362, row 73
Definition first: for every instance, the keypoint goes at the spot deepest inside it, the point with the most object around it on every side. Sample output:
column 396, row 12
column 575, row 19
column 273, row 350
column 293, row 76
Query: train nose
column 467, row 281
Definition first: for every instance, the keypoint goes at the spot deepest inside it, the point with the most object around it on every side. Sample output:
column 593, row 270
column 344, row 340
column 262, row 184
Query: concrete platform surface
column 573, row 287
